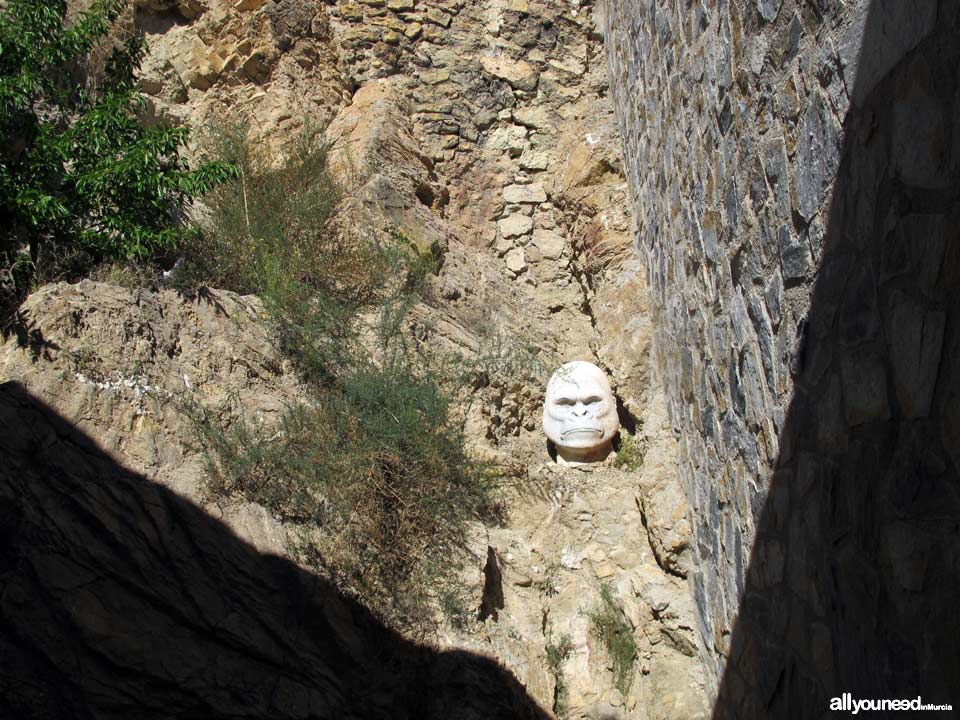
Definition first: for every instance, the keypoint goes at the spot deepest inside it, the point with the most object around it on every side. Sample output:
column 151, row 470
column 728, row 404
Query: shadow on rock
column 120, row 599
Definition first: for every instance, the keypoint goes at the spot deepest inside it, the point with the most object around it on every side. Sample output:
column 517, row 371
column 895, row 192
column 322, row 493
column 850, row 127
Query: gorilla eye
column 593, row 400
column 566, row 401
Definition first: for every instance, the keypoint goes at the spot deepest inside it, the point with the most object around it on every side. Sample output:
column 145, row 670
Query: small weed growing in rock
column 629, row 454
column 547, row 585
column 86, row 362
column 557, row 654
column 611, row 628
column 454, row 605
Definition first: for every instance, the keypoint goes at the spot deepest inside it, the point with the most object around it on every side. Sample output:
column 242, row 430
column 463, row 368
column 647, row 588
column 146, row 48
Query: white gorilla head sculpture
column 580, row 413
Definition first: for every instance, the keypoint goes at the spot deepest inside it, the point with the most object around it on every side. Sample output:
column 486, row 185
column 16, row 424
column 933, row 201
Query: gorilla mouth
column 581, row 431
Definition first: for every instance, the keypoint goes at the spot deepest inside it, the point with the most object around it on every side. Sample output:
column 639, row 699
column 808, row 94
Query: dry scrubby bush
column 377, row 467
column 274, row 223
column 371, row 457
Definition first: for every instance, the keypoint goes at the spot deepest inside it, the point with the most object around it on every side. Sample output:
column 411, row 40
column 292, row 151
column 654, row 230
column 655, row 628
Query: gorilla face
column 580, row 412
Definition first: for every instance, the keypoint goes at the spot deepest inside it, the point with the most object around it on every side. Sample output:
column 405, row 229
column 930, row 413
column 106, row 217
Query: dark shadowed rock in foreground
column 118, row 598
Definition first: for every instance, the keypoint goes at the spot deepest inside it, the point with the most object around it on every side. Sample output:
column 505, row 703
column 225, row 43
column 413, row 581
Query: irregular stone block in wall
column 776, row 170
column 534, row 117
column 525, row 194
column 795, row 258
column 921, row 132
column 518, row 73
column 916, row 246
column 516, row 225
column 864, row 388
column 768, row 9
column 550, row 243
column 512, row 138
column 534, row 160
column 818, row 153
column 516, row 261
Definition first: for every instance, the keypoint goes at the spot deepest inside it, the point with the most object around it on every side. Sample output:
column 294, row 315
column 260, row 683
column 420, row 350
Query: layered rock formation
column 268, row 65
column 794, row 169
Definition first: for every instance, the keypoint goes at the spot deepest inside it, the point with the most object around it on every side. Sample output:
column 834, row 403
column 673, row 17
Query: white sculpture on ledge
column 580, row 413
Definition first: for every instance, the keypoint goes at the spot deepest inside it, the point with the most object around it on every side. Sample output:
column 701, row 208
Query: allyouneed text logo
column 847, row 702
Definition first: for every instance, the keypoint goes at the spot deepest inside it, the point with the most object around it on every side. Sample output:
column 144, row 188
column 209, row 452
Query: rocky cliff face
column 794, row 171
column 483, row 129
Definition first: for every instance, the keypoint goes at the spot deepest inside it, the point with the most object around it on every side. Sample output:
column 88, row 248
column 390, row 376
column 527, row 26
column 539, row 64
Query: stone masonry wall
column 794, row 175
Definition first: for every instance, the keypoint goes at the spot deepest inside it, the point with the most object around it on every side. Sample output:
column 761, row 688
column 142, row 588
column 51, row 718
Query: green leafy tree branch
column 78, row 171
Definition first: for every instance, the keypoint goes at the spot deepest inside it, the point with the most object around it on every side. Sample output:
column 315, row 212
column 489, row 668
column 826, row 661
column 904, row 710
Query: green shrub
column 547, row 585
column 81, row 180
column 611, row 628
column 273, row 231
